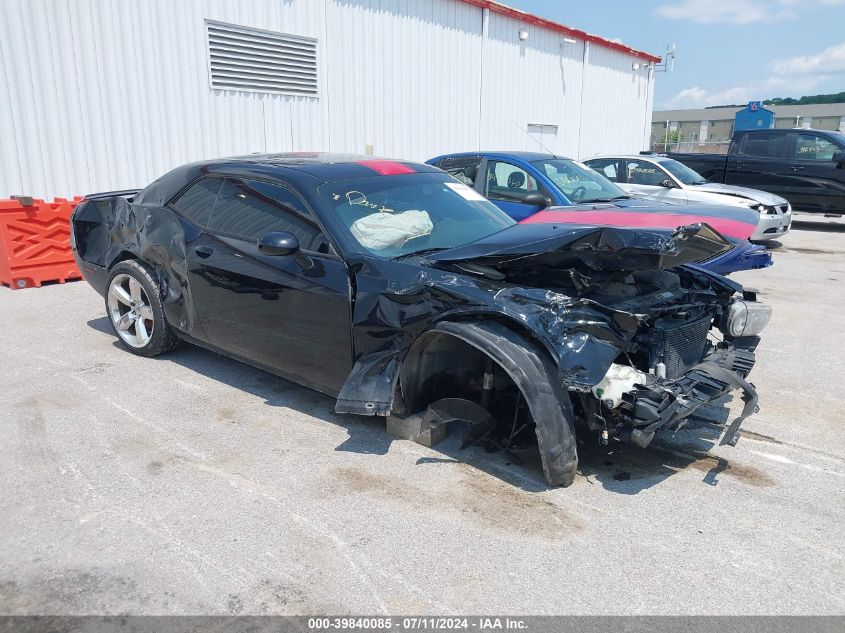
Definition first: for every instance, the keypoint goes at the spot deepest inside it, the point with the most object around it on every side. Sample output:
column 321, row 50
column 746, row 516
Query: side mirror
column 278, row 243
column 839, row 158
column 668, row 184
column 535, row 200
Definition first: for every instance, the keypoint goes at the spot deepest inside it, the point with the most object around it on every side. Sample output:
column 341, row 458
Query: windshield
column 392, row 216
column 578, row 182
column 683, row 173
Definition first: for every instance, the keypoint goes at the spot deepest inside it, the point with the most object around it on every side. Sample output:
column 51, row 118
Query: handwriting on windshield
column 358, row 199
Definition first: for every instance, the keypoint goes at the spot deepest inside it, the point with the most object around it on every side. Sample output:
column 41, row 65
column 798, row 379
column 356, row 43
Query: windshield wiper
column 422, row 251
column 625, row 197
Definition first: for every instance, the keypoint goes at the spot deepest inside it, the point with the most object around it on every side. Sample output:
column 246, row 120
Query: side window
column 814, row 147
column 509, row 182
column 645, row 173
column 606, row 167
column 464, row 168
column 247, row 209
column 764, row 145
column 197, row 200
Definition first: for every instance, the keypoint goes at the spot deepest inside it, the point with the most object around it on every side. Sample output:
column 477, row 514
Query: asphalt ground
column 193, row 484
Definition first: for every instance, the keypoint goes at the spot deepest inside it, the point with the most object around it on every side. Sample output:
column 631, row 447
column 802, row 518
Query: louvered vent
column 261, row 61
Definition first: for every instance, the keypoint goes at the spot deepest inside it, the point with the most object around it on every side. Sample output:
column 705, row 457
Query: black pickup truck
column 807, row 167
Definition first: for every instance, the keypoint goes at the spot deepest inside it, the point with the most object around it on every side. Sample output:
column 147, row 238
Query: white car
column 663, row 179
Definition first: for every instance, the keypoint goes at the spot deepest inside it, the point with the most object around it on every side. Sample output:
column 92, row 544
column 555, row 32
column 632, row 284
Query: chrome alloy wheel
column 130, row 311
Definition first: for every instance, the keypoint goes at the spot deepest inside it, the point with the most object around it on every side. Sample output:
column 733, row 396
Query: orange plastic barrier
column 35, row 242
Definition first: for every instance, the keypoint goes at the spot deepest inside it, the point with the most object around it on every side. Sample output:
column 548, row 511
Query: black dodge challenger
column 400, row 291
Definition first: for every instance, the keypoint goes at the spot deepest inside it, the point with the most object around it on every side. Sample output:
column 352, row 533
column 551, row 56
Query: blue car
column 539, row 187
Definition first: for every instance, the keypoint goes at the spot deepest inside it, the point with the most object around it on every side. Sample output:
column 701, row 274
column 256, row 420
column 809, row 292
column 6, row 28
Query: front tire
column 135, row 310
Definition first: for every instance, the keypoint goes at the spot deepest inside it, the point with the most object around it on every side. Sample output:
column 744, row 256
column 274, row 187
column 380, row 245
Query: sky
column 728, row 51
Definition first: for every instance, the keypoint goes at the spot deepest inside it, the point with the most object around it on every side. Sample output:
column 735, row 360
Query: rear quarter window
column 197, row 201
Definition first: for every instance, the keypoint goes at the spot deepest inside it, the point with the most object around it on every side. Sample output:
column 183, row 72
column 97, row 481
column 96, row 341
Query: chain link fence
column 690, row 146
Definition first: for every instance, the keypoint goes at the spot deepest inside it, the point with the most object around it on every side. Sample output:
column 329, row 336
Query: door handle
column 739, row 165
column 797, row 167
column 203, row 251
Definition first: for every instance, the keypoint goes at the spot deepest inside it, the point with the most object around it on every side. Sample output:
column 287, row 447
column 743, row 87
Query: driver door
column 289, row 314
column 507, row 186
column 645, row 179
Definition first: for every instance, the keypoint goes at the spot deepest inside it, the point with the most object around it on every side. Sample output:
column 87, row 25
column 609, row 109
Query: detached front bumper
column 666, row 403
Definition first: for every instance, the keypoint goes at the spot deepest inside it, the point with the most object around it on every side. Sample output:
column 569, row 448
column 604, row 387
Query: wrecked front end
column 641, row 340
column 675, row 364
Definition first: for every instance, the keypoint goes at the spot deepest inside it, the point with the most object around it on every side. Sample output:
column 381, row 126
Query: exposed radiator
column 684, row 343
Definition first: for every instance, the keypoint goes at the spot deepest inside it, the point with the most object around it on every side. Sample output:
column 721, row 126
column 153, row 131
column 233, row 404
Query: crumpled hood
column 729, row 220
column 599, row 248
column 763, row 197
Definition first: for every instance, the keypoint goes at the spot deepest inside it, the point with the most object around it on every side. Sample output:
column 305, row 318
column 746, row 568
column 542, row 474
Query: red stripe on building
column 530, row 18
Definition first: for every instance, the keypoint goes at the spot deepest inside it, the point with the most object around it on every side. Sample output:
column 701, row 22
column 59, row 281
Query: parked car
column 807, row 167
column 399, row 290
column 664, row 179
column 524, row 183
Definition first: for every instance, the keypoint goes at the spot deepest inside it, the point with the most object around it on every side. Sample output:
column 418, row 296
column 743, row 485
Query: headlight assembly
column 745, row 318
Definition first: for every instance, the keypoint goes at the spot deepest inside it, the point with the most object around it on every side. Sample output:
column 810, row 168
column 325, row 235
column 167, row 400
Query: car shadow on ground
column 623, row 469
column 837, row 226
column 779, row 247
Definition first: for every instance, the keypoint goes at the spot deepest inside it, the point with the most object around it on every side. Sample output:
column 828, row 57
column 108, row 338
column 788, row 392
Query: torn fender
column 534, row 374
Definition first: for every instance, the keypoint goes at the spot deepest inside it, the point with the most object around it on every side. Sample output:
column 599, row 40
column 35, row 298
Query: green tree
column 836, row 97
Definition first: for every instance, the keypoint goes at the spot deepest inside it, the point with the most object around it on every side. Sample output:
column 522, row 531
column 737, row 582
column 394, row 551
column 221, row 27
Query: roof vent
column 253, row 60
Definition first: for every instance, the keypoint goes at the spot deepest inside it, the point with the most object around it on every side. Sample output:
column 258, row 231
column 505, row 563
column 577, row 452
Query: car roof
column 520, row 155
column 657, row 158
column 321, row 166
column 306, row 161
column 331, row 166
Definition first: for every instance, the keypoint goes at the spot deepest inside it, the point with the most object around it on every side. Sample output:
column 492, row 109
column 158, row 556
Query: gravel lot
column 193, row 484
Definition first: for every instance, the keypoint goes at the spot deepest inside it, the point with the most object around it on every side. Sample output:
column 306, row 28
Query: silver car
column 666, row 180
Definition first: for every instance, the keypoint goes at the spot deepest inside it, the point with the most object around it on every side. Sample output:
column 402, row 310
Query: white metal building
column 103, row 94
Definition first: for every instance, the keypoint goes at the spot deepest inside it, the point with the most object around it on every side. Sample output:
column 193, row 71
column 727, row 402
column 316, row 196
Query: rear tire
column 135, row 310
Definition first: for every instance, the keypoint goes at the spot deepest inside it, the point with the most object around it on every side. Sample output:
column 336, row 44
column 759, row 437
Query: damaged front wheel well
column 439, row 365
column 463, row 358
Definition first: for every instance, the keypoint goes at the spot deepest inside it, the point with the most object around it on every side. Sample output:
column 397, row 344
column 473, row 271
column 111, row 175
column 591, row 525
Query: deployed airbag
column 379, row 231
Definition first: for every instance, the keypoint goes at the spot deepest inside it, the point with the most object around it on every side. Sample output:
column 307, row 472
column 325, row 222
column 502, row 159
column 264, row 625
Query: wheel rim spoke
column 141, row 331
column 125, row 321
column 146, row 312
column 121, row 295
column 135, row 290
